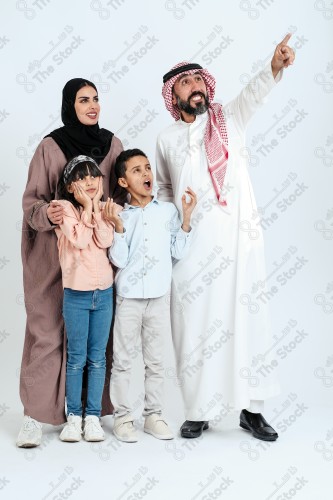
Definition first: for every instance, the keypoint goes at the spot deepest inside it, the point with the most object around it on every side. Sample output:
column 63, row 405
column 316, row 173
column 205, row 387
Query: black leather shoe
column 191, row 429
column 255, row 423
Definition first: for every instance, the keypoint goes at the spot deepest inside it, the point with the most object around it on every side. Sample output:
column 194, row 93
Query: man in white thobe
column 218, row 330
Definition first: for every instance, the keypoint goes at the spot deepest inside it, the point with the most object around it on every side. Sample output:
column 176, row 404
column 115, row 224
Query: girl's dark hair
column 120, row 165
column 79, row 172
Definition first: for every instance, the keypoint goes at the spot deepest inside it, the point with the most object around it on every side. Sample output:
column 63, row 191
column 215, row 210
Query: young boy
column 148, row 233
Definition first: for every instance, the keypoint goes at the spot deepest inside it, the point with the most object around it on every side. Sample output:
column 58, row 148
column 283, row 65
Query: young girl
column 87, row 277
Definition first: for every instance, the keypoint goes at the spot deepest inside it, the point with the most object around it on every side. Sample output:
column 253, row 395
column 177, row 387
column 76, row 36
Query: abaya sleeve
column 45, row 168
column 118, row 193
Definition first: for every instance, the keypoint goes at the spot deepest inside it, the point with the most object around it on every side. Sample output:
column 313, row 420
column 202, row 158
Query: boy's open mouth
column 147, row 184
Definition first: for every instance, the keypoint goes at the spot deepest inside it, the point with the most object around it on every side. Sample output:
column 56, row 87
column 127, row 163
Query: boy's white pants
column 139, row 322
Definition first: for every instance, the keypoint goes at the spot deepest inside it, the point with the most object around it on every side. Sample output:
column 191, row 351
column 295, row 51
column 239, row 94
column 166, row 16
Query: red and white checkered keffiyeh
column 216, row 137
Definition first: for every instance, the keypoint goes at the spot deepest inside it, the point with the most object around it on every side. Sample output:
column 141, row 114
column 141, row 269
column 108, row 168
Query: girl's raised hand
column 99, row 193
column 81, row 196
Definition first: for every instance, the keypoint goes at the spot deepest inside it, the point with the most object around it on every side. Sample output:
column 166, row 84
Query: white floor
column 225, row 463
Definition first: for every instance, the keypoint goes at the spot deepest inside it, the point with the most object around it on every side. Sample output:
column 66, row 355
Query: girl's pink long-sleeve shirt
column 82, row 250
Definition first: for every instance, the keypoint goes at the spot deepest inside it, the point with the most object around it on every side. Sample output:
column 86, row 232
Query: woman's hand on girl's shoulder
column 55, row 212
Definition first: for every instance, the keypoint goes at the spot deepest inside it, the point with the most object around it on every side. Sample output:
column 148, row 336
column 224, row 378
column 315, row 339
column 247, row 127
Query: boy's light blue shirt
column 143, row 253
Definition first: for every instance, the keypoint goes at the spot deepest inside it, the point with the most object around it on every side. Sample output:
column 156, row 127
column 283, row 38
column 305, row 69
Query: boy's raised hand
column 111, row 213
column 188, row 208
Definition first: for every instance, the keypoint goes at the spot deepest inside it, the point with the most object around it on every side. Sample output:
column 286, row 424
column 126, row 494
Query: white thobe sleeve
column 252, row 96
column 165, row 192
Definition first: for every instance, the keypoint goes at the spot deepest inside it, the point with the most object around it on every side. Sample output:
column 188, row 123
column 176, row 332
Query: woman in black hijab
column 77, row 138
column 42, row 378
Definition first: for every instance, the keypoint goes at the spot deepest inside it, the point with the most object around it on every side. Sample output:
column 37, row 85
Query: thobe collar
column 199, row 119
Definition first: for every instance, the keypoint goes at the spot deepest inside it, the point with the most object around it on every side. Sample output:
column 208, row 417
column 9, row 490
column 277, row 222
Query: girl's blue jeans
column 87, row 317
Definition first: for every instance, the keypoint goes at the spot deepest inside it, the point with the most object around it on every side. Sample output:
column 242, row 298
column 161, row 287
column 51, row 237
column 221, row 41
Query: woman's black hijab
column 75, row 138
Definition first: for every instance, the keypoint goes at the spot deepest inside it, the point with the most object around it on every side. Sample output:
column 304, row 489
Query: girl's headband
column 75, row 161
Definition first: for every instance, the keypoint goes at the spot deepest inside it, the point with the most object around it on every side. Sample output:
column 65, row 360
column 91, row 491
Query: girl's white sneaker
column 72, row 431
column 92, row 429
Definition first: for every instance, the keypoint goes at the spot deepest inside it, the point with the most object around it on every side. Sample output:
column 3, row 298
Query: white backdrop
column 125, row 47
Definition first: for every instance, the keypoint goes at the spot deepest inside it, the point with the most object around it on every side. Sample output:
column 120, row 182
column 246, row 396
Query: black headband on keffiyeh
column 75, row 138
column 216, row 137
column 180, row 69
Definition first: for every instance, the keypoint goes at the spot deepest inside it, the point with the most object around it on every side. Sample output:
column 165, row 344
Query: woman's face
column 87, row 106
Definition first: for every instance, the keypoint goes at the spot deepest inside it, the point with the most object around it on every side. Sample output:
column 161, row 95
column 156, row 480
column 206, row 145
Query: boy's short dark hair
column 120, row 164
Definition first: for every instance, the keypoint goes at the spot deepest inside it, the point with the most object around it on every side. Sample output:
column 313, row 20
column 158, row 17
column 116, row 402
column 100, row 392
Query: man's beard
column 199, row 109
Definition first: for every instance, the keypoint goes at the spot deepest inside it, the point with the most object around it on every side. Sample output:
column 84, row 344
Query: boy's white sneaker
column 157, row 427
column 30, row 434
column 72, row 431
column 92, row 430
column 124, row 430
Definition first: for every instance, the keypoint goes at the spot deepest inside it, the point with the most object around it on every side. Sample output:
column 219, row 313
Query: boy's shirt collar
column 128, row 206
